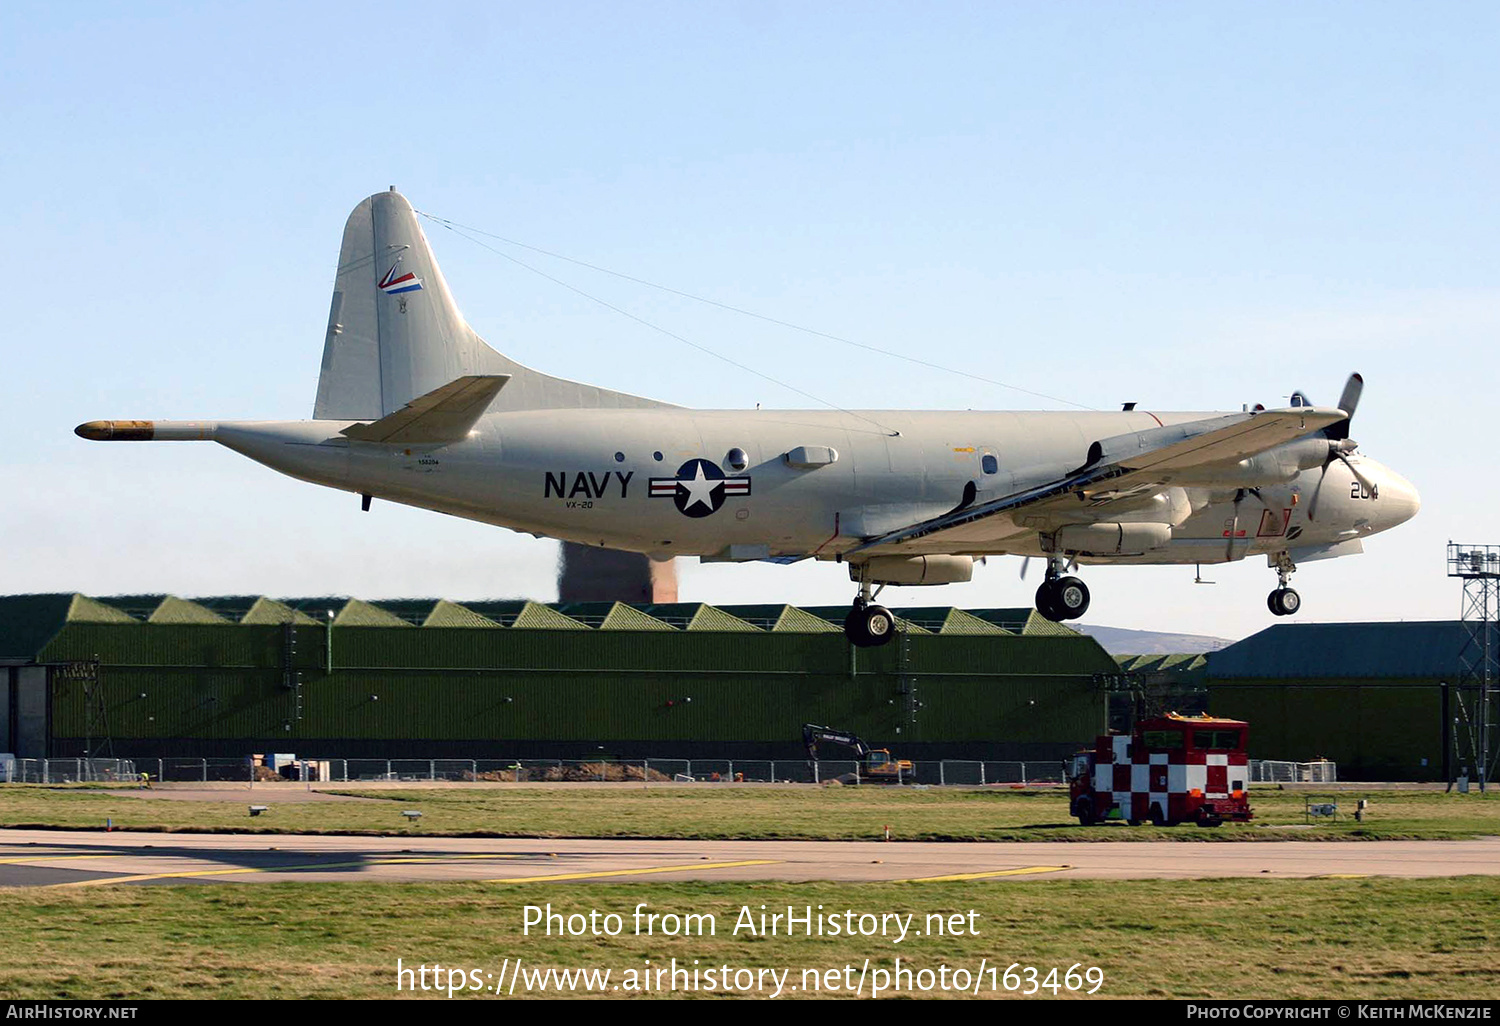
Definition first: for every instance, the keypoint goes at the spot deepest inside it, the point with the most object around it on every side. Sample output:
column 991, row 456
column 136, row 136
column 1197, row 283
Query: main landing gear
column 1283, row 601
column 869, row 625
column 1061, row 597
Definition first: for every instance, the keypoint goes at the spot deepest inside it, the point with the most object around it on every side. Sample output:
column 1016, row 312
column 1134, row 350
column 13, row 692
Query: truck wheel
column 1132, row 822
column 1209, row 821
column 1158, row 818
column 1084, row 810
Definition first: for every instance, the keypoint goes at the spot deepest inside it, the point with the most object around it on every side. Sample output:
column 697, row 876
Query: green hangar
column 327, row 678
column 1379, row 699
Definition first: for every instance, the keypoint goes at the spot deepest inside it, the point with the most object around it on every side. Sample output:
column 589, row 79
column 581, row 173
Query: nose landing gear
column 1060, row 597
column 1284, row 601
column 868, row 625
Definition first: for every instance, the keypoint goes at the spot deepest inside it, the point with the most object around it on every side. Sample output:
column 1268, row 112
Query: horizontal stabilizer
column 446, row 414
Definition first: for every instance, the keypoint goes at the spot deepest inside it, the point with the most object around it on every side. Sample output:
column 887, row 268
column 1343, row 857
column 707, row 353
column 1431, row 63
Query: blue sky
column 1189, row 206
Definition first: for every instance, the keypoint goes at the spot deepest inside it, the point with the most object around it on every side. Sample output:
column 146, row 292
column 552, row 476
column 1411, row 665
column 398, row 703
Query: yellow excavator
column 875, row 765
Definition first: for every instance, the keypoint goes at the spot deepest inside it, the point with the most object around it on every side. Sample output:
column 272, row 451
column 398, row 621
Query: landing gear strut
column 1061, row 597
column 1283, row 601
column 868, row 625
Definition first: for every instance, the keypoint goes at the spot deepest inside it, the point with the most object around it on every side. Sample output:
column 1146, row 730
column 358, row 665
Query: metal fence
column 936, row 772
column 945, row 772
column 67, row 771
column 1272, row 771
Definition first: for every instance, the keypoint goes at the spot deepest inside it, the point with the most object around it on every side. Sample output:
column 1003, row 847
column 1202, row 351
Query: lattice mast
column 1474, row 728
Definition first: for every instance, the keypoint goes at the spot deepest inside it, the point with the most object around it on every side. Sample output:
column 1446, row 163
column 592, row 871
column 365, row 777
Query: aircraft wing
column 1128, row 465
column 446, row 414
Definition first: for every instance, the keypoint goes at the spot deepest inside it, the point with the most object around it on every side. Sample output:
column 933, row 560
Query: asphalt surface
column 41, row 858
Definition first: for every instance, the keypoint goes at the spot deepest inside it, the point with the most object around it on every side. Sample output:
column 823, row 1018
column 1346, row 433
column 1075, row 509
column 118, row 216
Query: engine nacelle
column 1112, row 539
column 915, row 570
column 1274, row 466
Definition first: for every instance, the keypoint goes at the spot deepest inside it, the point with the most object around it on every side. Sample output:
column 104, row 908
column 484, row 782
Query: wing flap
column 446, row 414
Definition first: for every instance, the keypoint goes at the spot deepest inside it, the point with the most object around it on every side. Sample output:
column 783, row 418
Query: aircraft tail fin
column 395, row 334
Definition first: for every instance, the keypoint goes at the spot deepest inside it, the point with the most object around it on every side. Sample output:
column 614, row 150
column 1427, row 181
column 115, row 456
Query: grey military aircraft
column 413, row 407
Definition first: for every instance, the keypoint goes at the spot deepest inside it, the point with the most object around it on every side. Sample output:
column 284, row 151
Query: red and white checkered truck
column 1171, row 769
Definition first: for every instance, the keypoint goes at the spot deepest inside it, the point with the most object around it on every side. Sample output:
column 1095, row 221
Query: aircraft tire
column 854, row 625
column 877, row 625
column 1070, row 597
column 1045, row 604
column 1284, row 602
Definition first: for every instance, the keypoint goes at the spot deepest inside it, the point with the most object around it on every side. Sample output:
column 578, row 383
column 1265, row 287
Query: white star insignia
column 699, row 490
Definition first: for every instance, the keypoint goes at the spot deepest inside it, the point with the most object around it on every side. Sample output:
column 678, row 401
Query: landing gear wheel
column 1063, row 598
column 1044, row 603
column 869, row 626
column 1072, row 597
column 853, row 621
column 1284, row 602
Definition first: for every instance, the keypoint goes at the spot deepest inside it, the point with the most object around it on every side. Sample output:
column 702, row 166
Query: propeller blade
column 1024, row 564
column 1312, row 503
column 1355, row 471
column 1335, row 453
column 1348, row 402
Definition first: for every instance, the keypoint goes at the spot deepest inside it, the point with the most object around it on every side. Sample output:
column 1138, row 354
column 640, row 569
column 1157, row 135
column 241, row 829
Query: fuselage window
column 990, row 463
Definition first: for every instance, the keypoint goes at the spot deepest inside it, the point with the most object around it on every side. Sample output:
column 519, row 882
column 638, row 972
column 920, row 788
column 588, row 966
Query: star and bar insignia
column 699, row 488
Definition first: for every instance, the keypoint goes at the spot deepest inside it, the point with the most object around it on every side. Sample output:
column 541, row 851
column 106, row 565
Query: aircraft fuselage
column 662, row 481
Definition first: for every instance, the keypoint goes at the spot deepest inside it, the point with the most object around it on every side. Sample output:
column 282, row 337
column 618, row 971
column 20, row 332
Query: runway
column 49, row 858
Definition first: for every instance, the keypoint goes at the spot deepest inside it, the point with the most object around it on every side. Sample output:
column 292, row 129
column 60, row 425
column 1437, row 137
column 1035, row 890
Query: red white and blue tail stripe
column 392, row 284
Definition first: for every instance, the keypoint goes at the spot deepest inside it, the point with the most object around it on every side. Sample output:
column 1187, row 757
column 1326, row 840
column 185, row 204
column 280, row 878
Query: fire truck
column 1171, row 769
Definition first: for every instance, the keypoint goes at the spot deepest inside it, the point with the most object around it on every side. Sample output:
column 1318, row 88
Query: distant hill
column 1119, row 641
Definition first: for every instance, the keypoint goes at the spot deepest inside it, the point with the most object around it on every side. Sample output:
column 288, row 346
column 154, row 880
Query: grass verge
column 1240, row 939
column 704, row 812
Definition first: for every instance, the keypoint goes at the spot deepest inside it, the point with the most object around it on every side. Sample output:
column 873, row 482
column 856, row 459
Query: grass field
column 707, row 812
column 1236, row 939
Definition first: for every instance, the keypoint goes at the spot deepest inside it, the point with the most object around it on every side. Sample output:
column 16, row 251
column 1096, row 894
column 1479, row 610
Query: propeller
column 1340, row 445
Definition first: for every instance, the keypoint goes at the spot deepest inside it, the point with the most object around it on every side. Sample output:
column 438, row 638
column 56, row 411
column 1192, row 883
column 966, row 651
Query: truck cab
column 1170, row 769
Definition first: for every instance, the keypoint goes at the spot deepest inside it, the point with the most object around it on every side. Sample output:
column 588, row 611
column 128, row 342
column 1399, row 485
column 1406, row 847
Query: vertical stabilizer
column 394, row 332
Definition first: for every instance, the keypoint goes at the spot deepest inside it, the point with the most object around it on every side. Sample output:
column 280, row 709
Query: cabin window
column 990, row 464
column 619, row 457
column 656, row 456
column 1226, row 740
column 1159, row 740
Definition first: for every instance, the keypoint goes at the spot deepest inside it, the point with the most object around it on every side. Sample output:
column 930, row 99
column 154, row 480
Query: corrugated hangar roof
column 28, row 622
column 1421, row 650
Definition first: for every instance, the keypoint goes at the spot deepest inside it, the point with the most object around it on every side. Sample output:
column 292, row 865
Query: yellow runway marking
column 636, row 872
column 54, row 858
column 1023, row 871
column 186, row 874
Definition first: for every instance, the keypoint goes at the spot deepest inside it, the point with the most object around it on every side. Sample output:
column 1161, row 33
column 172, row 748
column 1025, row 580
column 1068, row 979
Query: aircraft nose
column 1399, row 497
